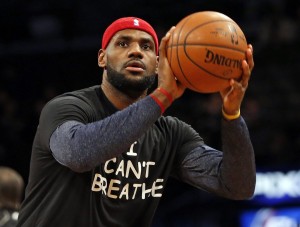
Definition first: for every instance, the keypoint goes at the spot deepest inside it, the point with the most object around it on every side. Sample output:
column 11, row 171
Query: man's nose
column 135, row 50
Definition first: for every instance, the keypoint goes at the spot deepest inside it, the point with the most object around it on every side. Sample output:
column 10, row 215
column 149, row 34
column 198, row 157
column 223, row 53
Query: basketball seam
column 183, row 74
column 207, row 44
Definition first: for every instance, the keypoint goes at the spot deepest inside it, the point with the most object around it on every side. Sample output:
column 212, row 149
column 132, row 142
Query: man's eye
column 122, row 44
column 146, row 47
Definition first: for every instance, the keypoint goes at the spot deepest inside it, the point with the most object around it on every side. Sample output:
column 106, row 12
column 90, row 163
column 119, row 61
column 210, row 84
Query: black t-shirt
column 123, row 191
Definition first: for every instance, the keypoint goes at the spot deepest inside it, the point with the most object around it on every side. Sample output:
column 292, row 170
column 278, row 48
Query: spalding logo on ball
column 205, row 50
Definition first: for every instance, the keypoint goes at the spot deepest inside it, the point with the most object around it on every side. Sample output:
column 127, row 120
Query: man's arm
column 83, row 146
column 230, row 173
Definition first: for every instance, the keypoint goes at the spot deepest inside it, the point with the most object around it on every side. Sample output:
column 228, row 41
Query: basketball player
column 102, row 155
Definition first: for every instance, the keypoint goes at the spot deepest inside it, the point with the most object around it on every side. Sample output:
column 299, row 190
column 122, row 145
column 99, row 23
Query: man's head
column 128, row 23
column 11, row 188
column 129, row 55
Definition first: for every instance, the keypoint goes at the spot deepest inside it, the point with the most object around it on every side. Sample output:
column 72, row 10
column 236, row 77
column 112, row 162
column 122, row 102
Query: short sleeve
column 60, row 110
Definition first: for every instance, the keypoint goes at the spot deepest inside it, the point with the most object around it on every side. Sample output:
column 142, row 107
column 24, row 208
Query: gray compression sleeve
column 83, row 146
column 230, row 173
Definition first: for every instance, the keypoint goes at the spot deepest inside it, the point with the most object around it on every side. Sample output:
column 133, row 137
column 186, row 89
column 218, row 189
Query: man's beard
column 125, row 85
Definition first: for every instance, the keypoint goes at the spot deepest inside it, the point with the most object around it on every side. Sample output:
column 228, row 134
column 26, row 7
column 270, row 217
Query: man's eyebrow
column 127, row 37
column 147, row 40
column 124, row 37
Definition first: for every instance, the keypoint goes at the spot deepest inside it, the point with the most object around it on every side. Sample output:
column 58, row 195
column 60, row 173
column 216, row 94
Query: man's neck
column 120, row 99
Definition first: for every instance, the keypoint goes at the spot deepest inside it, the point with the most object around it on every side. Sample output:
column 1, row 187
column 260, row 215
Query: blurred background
column 50, row 46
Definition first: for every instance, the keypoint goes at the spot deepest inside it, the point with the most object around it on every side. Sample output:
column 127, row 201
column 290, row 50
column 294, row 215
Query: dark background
column 49, row 47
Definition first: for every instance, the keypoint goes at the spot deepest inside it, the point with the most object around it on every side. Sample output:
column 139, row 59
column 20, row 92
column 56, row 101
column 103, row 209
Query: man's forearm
column 238, row 167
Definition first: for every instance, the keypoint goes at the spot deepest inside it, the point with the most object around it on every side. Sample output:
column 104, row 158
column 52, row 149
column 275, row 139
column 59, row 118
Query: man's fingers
column 249, row 55
column 163, row 43
column 247, row 66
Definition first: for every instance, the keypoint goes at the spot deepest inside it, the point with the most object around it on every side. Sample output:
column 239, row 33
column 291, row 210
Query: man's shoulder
column 85, row 95
column 88, row 92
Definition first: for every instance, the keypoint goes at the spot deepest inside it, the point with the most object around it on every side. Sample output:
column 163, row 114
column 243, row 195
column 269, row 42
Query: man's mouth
column 135, row 66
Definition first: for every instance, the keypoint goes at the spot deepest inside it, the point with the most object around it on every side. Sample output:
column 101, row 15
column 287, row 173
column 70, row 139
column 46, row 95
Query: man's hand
column 233, row 96
column 166, row 78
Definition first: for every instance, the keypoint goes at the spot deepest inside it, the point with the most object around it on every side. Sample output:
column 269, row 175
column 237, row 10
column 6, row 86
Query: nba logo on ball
column 205, row 50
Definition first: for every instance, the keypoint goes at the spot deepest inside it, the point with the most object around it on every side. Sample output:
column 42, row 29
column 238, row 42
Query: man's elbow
column 245, row 191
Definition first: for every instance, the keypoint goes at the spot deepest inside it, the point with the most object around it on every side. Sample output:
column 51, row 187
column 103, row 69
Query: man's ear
column 156, row 66
column 101, row 58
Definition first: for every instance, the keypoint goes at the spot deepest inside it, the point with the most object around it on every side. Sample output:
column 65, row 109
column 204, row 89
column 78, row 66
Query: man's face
column 131, row 60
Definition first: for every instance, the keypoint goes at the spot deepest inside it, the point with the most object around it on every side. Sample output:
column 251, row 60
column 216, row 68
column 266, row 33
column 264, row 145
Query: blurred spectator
column 11, row 192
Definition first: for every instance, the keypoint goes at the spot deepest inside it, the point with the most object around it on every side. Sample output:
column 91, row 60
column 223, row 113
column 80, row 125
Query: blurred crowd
column 50, row 47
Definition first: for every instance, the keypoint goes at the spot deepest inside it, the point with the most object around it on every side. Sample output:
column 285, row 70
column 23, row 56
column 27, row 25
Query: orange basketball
column 205, row 50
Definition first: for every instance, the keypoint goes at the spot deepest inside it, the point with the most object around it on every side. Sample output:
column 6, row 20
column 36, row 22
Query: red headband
column 128, row 23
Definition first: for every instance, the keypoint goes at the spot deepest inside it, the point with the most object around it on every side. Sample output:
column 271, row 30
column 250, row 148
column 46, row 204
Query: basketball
column 205, row 50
